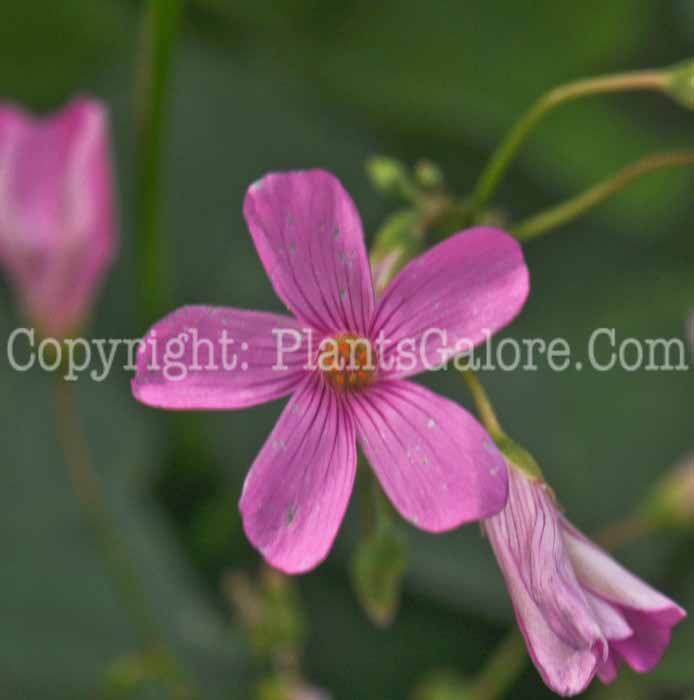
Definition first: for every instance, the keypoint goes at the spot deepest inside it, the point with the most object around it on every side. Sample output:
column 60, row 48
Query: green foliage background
column 262, row 86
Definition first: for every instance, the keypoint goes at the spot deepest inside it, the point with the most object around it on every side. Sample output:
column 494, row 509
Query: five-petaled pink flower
column 57, row 231
column 435, row 462
column 581, row 613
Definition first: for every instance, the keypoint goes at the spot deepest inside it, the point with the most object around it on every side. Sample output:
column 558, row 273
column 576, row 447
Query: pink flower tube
column 436, row 463
column 57, row 230
column 580, row 612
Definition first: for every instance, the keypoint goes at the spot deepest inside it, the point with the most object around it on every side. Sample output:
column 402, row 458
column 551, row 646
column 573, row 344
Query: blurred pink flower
column 57, row 230
column 435, row 462
column 580, row 612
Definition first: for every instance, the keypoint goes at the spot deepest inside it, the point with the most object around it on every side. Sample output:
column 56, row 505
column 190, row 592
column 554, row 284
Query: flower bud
column 386, row 174
column 680, row 84
column 378, row 567
column 428, row 174
column 671, row 502
column 398, row 241
column 57, row 230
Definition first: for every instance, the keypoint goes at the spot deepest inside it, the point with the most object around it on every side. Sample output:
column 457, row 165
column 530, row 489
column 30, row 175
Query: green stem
column 497, row 165
column 483, row 404
column 501, row 669
column 368, row 511
column 93, row 504
column 162, row 22
column 554, row 217
column 114, row 552
column 620, row 533
column 374, row 506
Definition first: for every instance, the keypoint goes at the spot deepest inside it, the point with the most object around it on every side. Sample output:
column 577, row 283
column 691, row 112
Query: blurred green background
column 260, row 86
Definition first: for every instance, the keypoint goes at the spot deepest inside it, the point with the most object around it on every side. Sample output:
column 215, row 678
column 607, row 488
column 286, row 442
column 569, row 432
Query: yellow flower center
column 348, row 362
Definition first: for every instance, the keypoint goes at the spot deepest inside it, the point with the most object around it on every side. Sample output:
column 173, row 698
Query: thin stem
column 501, row 158
column 374, row 507
column 368, row 514
column 483, row 404
column 622, row 532
column 554, row 217
column 162, row 22
column 501, row 669
column 93, row 504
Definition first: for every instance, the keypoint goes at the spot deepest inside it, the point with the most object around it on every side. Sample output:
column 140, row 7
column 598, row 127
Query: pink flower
column 57, row 232
column 435, row 462
column 580, row 612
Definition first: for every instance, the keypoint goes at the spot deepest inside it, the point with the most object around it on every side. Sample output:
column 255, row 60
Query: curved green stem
column 113, row 549
column 502, row 668
column 621, row 532
column 114, row 552
column 93, row 504
column 656, row 80
column 483, row 404
column 554, row 217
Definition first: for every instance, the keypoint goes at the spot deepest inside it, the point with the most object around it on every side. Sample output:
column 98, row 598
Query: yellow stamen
column 348, row 362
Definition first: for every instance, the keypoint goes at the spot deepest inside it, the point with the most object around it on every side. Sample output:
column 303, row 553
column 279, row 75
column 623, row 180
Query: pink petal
column 612, row 623
column 436, row 463
column 296, row 493
column 607, row 671
column 57, row 225
column 599, row 572
column 650, row 614
column 567, row 669
column 469, row 286
column 309, row 237
column 171, row 374
column 529, row 529
column 644, row 650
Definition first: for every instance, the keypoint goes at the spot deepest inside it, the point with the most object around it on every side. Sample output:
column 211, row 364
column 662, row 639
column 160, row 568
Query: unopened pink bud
column 57, row 227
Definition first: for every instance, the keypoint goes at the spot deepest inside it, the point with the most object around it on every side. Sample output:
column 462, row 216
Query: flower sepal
column 380, row 557
column 398, row 241
column 670, row 504
column 680, row 83
column 519, row 457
